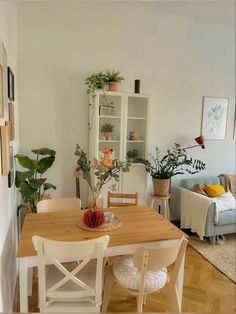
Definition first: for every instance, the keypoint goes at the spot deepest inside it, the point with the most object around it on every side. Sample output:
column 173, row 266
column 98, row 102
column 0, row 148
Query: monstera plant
column 32, row 182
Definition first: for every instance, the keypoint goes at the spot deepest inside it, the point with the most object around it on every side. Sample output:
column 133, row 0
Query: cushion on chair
column 128, row 275
column 213, row 190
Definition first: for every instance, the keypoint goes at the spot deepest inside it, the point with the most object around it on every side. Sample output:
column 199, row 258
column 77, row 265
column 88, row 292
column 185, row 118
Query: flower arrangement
column 105, row 168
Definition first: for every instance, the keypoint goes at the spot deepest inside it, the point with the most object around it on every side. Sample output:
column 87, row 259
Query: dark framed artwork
column 10, row 84
column 11, row 171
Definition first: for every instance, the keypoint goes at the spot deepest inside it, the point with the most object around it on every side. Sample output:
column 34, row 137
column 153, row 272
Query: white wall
column 181, row 51
column 8, row 196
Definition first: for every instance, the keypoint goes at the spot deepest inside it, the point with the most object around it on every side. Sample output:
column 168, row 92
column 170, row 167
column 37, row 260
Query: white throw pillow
column 224, row 202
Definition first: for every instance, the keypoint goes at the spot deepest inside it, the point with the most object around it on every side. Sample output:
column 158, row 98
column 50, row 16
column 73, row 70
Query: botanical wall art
column 10, row 84
column 214, row 117
column 4, row 136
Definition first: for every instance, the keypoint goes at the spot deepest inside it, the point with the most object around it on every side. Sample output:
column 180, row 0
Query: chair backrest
column 56, row 251
column 119, row 197
column 155, row 258
column 58, row 204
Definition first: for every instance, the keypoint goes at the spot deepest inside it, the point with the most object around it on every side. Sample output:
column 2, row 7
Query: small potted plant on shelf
column 113, row 78
column 174, row 162
column 107, row 130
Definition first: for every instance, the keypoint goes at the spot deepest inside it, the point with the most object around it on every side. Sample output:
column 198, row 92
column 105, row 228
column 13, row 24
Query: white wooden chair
column 145, row 272
column 119, row 197
column 68, row 291
column 58, row 204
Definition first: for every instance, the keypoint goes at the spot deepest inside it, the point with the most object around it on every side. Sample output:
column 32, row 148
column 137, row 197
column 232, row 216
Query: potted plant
column 113, row 78
column 97, row 81
column 107, row 130
column 174, row 162
column 31, row 183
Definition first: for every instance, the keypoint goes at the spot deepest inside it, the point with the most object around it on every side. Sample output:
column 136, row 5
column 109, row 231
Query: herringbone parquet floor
column 206, row 289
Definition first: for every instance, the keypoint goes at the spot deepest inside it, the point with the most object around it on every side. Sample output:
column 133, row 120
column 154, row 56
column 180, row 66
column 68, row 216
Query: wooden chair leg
column 173, row 300
column 109, row 282
column 139, row 304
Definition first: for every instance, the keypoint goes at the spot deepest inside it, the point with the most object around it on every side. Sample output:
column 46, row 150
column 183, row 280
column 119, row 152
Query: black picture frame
column 10, row 84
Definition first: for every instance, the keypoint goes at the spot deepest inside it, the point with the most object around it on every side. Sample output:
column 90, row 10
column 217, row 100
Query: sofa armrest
column 194, row 210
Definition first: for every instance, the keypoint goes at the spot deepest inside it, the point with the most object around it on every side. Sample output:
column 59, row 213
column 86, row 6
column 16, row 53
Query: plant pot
column 107, row 136
column 161, row 186
column 112, row 86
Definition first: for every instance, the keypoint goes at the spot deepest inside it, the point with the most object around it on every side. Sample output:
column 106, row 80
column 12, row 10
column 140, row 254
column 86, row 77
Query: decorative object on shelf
column 134, row 136
column 93, row 218
column 10, row 84
column 12, row 121
column 1, row 93
column 214, row 117
column 4, row 136
column 104, row 170
column 107, row 130
column 174, row 162
column 106, row 110
column 31, row 184
column 200, row 142
column 11, row 171
column 113, row 78
column 137, row 86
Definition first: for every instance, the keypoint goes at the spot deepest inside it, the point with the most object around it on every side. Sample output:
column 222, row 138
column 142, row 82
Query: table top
column 139, row 224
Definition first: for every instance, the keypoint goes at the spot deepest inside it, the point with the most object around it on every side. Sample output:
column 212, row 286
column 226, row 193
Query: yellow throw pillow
column 213, row 190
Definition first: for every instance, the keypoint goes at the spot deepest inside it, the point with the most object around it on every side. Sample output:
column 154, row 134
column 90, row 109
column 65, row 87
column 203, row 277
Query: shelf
column 137, row 118
column 139, row 141
column 109, row 117
column 109, row 141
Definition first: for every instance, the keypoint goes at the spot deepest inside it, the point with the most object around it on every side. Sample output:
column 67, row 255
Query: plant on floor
column 31, row 183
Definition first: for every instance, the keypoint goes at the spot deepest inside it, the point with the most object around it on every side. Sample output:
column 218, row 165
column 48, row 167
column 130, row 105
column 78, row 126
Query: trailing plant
column 174, row 162
column 113, row 76
column 31, row 183
column 107, row 127
column 97, row 81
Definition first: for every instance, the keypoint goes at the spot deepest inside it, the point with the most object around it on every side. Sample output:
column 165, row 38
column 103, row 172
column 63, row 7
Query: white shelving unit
column 130, row 119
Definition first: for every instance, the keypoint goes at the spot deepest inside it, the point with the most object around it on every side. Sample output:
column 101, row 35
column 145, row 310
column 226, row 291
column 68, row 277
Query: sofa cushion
column 199, row 188
column 213, row 190
column 227, row 217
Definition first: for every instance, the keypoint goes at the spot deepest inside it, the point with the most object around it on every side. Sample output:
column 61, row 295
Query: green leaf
column 48, row 186
column 27, row 191
column 36, row 183
column 44, row 151
column 22, row 176
column 45, row 163
column 27, row 162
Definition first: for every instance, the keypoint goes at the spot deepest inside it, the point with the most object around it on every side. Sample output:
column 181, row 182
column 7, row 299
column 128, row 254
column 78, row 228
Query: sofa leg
column 213, row 240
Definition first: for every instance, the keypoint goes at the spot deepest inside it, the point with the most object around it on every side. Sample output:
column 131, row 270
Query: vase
column 112, row 86
column 107, row 136
column 161, row 186
column 99, row 201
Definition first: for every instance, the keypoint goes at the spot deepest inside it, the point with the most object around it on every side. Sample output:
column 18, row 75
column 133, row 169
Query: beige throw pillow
column 199, row 188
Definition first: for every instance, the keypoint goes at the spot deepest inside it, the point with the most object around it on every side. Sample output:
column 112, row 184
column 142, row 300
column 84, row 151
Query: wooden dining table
column 140, row 226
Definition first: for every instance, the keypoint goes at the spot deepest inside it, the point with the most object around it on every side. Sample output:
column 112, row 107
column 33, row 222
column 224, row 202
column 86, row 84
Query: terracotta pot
column 112, row 86
column 161, row 186
column 107, row 135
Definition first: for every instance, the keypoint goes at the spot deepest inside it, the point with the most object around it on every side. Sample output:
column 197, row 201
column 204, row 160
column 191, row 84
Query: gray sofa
column 226, row 220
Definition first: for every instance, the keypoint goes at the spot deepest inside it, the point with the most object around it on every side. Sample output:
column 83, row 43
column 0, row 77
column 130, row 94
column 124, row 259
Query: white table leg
column 180, row 281
column 23, row 274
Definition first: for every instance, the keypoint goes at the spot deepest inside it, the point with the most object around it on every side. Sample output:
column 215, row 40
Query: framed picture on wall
column 214, row 117
column 10, row 84
column 1, row 93
column 5, row 152
column 11, row 172
column 12, row 121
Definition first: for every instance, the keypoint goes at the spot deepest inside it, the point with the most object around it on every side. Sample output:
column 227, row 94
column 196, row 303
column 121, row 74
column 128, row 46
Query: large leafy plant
column 32, row 183
column 174, row 162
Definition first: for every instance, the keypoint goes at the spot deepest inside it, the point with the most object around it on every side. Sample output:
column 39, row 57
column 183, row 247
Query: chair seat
column 128, row 276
